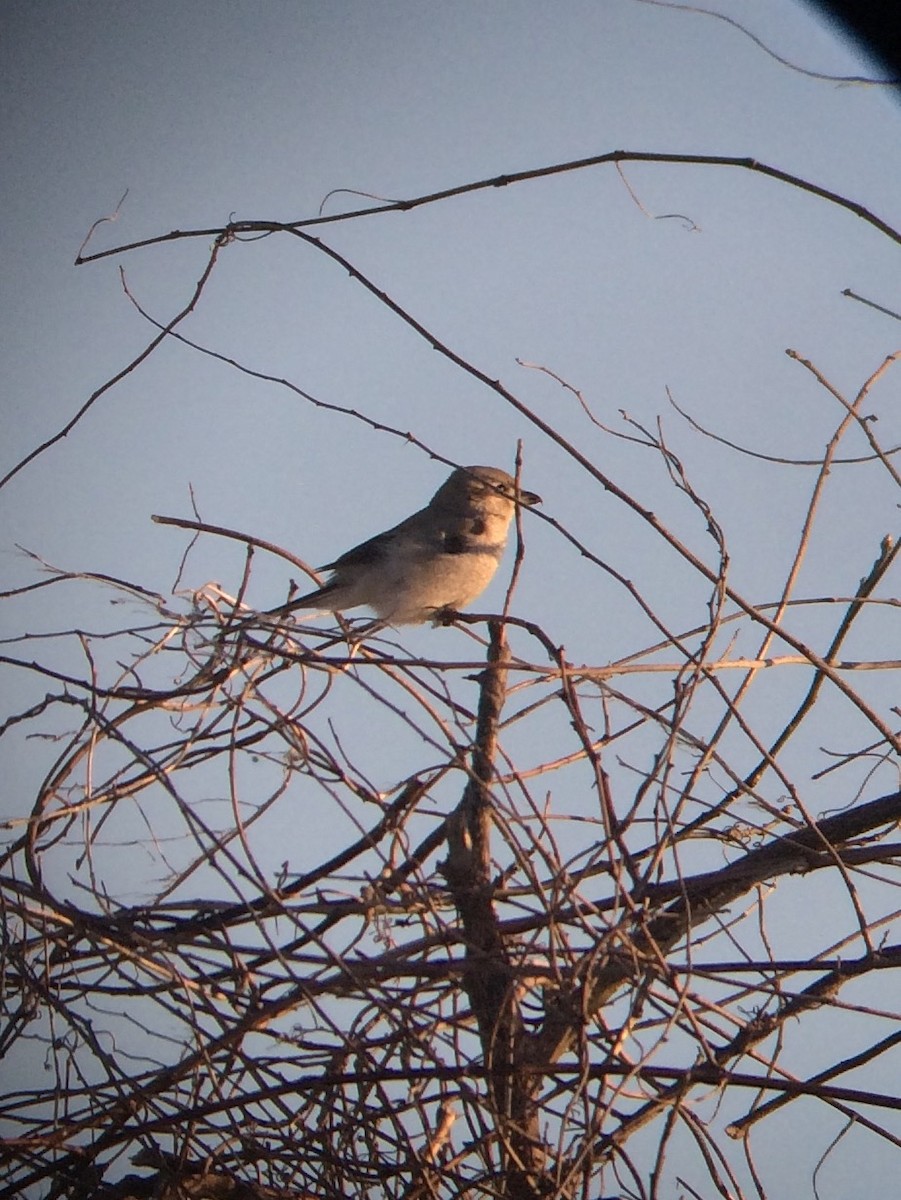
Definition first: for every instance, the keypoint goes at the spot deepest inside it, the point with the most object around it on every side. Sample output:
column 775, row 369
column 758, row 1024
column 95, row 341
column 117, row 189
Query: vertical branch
column 488, row 976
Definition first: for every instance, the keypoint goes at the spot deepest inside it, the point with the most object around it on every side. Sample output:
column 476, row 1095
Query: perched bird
column 442, row 557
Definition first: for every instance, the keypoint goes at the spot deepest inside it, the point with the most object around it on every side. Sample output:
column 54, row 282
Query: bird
column 438, row 560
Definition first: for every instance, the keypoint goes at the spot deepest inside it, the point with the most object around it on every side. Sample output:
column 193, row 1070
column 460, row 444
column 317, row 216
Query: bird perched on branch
column 441, row 558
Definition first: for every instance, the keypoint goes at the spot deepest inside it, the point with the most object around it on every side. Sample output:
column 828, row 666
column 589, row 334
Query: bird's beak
column 528, row 498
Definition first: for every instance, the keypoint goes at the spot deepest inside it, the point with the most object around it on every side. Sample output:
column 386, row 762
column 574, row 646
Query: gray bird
column 442, row 557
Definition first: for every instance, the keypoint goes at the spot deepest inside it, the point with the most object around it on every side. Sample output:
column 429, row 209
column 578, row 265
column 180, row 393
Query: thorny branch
column 559, row 945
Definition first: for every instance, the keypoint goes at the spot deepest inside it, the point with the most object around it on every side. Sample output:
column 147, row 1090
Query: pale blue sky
column 206, row 110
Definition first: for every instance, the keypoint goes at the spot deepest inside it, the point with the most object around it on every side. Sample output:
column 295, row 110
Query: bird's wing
column 375, row 549
column 366, row 554
column 421, row 528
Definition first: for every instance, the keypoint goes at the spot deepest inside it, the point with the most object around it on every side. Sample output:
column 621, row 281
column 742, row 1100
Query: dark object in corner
column 875, row 25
